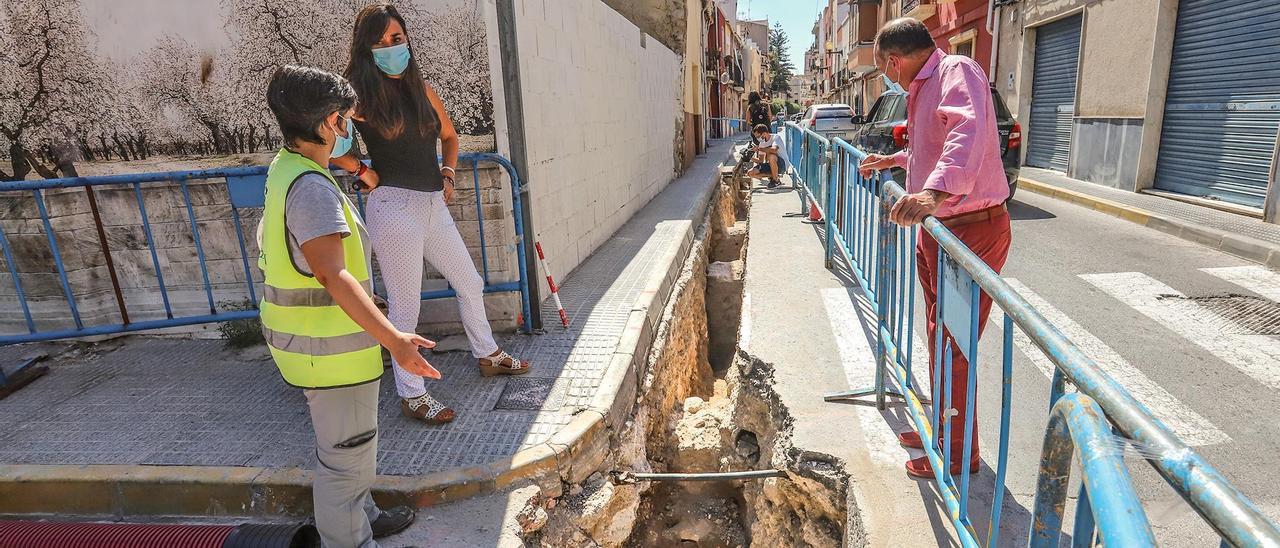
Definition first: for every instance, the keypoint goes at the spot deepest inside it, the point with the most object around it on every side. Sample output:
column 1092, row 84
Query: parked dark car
column 883, row 130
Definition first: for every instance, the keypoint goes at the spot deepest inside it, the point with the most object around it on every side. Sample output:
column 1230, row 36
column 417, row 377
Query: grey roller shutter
column 1223, row 107
column 1053, row 93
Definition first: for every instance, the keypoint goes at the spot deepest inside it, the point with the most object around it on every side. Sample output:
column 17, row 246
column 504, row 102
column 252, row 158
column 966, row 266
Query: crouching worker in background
column 771, row 155
column 317, row 315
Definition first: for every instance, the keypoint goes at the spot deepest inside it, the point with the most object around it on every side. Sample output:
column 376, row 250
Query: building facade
column 727, row 64
column 842, row 57
column 1179, row 98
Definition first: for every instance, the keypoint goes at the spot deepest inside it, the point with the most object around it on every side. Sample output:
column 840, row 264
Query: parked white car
column 831, row 120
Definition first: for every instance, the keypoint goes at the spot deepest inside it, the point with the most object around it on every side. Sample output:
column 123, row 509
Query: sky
column 797, row 18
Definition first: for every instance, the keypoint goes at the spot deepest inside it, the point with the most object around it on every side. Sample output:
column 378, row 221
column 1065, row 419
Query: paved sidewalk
column 1233, row 233
column 813, row 325
column 192, row 403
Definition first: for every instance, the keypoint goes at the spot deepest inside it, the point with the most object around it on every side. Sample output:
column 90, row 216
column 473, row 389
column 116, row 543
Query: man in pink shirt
column 954, row 173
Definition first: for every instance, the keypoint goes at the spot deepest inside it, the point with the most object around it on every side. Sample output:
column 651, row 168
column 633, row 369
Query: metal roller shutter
column 1223, row 107
column 1053, row 93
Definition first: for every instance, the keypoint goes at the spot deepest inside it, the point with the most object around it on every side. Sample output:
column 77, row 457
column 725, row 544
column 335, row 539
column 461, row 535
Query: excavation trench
column 703, row 407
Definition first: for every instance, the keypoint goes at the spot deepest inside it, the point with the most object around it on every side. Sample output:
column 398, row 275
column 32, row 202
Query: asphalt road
column 1134, row 299
column 1112, row 287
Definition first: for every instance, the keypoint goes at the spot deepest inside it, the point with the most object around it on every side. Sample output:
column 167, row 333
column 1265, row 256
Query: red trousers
column 989, row 240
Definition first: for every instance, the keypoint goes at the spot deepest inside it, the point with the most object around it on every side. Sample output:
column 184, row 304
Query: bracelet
column 449, row 179
column 360, row 170
column 451, row 170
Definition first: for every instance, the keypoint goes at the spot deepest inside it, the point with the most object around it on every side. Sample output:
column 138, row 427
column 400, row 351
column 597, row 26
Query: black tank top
column 408, row 161
column 759, row 114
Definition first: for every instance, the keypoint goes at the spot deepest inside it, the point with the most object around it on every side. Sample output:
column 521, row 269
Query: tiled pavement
column 140, row 400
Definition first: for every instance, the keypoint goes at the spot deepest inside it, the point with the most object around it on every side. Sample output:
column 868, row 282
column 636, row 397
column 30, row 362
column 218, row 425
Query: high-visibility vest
column 314, row 343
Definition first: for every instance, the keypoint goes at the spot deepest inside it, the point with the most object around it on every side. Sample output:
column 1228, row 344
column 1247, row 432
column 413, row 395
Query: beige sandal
column 503, row 364
column 427, row 409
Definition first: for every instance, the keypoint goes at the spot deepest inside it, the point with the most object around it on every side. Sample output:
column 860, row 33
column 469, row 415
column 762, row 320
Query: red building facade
column 958, row 27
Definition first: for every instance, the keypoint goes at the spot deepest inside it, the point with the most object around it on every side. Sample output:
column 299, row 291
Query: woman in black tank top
column 400, row 119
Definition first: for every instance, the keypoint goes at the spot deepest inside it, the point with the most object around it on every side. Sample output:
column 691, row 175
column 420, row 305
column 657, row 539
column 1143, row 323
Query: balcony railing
column 919, row 9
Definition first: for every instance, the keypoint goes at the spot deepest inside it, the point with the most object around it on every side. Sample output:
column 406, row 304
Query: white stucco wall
column 602, row 105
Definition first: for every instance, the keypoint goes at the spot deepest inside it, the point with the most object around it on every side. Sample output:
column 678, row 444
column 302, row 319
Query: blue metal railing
column 1095, row 422
column 245, row 187
column 723, row 128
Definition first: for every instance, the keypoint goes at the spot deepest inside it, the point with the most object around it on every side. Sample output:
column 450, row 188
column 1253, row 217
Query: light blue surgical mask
column 392, row 60
column 342, row 144
column 891, row 85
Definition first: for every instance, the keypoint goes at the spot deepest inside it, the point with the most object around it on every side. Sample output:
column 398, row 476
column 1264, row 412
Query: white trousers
column 408, row 226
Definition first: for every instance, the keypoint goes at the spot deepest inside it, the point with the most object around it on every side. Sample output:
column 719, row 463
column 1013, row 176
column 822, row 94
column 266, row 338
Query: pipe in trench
column 632, row 477
column 53, row 534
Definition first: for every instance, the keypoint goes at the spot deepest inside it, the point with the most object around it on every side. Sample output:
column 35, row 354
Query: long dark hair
column 383, row 99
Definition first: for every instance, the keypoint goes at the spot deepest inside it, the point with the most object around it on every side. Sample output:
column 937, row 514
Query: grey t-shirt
column 313, row 208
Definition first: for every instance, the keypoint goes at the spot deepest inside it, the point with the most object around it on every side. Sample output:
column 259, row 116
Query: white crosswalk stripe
column 858, row 359
column 1188, row 425
column 1255, row 278
column 1254, row 355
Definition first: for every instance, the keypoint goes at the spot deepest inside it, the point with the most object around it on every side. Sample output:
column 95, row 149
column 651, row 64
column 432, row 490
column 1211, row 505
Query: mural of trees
column 452, row 48
column 46, row 75
column 60, row 100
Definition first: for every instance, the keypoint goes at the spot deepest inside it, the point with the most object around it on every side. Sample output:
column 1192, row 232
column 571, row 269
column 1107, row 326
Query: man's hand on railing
column 874, row 162
column 913, row 208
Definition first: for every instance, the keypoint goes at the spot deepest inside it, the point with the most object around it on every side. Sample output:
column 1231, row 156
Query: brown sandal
column 427, row 409
column 503, row 364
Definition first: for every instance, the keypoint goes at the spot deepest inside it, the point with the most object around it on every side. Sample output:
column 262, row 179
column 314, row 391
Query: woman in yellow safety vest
column 320, row 323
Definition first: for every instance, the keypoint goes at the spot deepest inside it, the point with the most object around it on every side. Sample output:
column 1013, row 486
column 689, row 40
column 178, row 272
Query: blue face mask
column 342, row 144
column 392, row 60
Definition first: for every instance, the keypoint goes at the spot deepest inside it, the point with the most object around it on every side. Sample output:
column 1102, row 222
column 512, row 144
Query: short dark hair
column 904, row 36
column 302, row 97
column 760, row 128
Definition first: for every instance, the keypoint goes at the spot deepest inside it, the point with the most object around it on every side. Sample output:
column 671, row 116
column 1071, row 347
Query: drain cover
column 1247, row 314
column 529, row 394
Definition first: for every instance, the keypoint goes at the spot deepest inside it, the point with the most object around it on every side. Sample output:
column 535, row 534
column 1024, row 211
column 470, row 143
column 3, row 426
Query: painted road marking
column 858, row 359
column 1189, row 426
column 1255, row 278
column 1257, row 356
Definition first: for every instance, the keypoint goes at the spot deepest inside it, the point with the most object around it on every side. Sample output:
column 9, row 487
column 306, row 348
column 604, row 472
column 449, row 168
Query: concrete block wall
column 77, row 239
column 602, row 103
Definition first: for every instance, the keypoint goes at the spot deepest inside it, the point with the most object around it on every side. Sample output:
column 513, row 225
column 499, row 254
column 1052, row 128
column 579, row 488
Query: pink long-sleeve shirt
column 954, row 144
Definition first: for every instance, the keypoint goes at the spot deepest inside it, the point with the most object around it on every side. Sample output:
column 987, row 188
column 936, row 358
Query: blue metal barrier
column 724, row 128
column 809, row 154
column 245, row 190
column 881, row 256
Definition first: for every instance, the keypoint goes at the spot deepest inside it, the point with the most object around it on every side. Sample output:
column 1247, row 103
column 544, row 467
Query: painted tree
column 45, row 72
column 780, row 65
column 452, row 52
column 172, row 79
column 449, row 44
column 273, row 33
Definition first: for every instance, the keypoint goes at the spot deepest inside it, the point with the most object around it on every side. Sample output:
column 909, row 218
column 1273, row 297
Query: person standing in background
column 759, row 111
column 401, row 119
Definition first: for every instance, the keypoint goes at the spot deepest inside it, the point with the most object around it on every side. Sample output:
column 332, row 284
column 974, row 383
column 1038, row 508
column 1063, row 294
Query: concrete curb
column 1244, row 247
column 573, row 453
